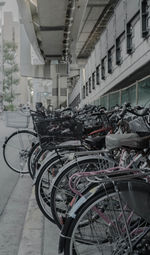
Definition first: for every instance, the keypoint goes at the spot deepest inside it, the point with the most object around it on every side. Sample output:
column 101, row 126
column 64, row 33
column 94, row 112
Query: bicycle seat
column 131, row 140
column 97, row 141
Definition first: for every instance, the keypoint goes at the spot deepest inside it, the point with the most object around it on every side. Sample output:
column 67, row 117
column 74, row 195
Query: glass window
column 90, row 87
column 103, row 71
column 129, row 95
column 83, row 95
column 96, row 102
column 104, row 101
column 129, row 38
column 93, row 80
column 87, row 89
column 144, row 92
column 144, row 18
column 98, row 75
column 114, row 99
column 119, row 47
column 118, row 51
column 110, row 66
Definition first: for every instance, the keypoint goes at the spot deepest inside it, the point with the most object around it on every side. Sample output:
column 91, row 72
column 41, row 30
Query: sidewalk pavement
column 37, row 236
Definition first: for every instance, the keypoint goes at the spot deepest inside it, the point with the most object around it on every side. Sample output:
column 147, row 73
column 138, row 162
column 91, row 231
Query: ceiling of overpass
column 98, row 12
column 69, row 27
column 49, row 22
column 52, row 20
column 93, row 11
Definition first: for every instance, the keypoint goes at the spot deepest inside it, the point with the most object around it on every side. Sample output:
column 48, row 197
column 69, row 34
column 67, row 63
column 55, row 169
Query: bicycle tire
column 32, row 158
column 43, row 199
column 21, row 144
column 41, row 196
column 36, row 158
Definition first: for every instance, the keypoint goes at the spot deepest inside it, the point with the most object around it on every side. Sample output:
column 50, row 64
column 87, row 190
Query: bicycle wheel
column 43, row 185
column 45, row 177
column 36, row 158
column 16, row 150
column 99, row 227
column 61, row 195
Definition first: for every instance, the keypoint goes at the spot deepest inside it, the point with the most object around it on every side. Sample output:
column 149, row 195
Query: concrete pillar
column 54, row 87
column 58, row 86
column 59, row 83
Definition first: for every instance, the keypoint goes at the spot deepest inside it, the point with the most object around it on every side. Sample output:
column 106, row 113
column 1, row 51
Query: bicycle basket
column 137, row 196
column 76, row 128
column 17, row 119
column 42, row 126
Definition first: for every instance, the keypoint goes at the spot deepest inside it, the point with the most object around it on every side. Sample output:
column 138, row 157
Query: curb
column 32, row 235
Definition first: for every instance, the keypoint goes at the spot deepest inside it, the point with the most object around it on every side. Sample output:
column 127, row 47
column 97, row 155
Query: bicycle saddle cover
column 131, row 140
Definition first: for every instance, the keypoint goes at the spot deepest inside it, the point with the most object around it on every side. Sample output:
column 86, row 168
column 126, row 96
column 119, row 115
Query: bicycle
column 121, row 227
column 17, row 146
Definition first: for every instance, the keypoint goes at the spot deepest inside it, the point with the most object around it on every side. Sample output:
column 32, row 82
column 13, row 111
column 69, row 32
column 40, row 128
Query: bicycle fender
column 81, row 201
column 63, row 234
column 71, row 216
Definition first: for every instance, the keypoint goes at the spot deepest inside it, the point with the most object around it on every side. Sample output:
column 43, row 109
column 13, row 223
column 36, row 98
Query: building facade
column 120, row 58
column 105, row 44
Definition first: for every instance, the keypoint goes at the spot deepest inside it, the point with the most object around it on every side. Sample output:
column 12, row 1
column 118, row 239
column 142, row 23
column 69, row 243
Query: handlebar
column 127, row 108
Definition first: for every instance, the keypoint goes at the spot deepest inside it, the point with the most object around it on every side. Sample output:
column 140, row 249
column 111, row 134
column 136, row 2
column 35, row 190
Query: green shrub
column 10, row 107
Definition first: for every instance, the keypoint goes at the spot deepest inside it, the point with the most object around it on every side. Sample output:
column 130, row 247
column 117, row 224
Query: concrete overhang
column 65, row 30
column 26, row 19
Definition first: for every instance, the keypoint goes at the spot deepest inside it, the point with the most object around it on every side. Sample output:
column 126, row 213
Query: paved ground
column 23, row 229
column 8, row 179
column 39, row 237
column 12, row 219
